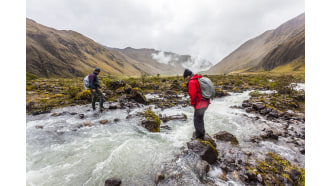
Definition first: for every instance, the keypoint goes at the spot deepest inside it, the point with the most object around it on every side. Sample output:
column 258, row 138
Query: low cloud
column 196, row 64
column 162, row 58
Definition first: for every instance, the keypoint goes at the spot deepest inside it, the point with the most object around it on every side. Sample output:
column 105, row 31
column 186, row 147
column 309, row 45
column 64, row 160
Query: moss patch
column 151, row 121
column 275, row 164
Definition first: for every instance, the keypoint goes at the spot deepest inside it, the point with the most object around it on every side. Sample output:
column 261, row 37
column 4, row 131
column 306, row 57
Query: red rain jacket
column 195, row 93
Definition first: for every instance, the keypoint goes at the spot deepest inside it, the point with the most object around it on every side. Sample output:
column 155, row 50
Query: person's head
column 187, row 74
column 97, row 70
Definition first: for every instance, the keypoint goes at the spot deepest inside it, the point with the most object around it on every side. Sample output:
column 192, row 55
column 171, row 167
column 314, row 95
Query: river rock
column 138, row 96
column 202, row 167
column 166, row 127
column 113, row 106
column 40, row 112
column 271, row 133
column 273, row 113
column 56, row 114
column 81, row 116
column 30, row 106
column 226, row 136
column 223, row 176
column 258, row 105
column 151, row 121
column 294, row 175
column 207, row 137
column 112, row 182
column 159, row 177
column 204, row 149
column 181, row 117
column 87, row 124
column 248, row 109
column 104, row 121
column 39, row 127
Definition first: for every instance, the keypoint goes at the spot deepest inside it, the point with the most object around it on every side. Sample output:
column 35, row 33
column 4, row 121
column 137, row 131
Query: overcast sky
column 210, row 29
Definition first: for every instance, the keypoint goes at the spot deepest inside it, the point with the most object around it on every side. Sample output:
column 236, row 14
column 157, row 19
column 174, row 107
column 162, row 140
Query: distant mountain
column 59, row 53
column 274, row 48
column 165, row 62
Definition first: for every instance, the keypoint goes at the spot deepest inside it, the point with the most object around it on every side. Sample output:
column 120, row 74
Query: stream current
column 61, row 153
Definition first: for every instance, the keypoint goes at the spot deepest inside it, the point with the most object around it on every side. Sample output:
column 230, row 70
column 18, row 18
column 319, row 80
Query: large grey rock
column 226, row 136
column 258, row 105
column 204, row 149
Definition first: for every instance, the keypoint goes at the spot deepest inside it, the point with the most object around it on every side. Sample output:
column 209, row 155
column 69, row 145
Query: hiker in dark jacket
column 94, row 86
column 197, row 102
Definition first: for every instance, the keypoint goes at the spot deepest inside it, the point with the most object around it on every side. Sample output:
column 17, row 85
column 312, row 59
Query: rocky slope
column 60, row 53
column 271, row 49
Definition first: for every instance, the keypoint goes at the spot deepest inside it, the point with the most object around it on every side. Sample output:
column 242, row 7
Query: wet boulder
column 207, row 137
column 56, row 114
column 159, row 178
column 103, row 121
column 202, row 167
column 204, row 149
column 30, row 106
column 271, row 133
column 114, row 85
column 87, row 124
column 166, row 127
column 113, row 106
column 226, row 136
column 258, row 105
column 249, row 109
column 112, row 182
column 138, row 96
column 181, row 117
column 40, row 112
column 246, row 104
column 220, row 93
column 151, row 121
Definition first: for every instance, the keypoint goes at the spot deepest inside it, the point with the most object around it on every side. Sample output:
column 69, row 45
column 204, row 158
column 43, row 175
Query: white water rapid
column 61, row 152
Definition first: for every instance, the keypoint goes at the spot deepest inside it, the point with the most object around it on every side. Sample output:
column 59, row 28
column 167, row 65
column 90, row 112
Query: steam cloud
column 196, row 64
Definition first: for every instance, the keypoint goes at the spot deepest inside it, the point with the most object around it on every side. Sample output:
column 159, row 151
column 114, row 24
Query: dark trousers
column 97, row 95
column 199, row 122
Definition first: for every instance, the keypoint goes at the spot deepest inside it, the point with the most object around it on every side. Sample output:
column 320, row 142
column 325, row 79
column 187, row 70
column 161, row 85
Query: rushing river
column 62, row 154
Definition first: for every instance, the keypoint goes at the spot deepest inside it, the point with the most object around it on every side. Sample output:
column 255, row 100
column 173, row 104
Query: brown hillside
column 250, row 55
column 59, row 53
column 286, row 52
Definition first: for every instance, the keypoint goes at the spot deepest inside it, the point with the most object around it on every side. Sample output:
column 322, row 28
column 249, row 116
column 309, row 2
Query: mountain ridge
column 255, row 53
column 66, row 53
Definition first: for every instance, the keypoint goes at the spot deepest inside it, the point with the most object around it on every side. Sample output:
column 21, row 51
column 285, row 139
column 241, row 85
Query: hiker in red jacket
column 197, row 102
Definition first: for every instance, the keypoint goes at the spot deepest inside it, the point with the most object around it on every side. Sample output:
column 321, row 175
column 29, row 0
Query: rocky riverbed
column 249, row 144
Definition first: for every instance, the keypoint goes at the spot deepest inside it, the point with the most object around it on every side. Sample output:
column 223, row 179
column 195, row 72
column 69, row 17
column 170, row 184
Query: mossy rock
column 204, row 149
column 276, row 165
column 151, row 121
column 138, row 96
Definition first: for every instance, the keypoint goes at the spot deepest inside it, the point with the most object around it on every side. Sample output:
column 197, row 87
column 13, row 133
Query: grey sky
column 210, row 29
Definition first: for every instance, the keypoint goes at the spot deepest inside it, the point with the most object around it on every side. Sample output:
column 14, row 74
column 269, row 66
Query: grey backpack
column 86, row 82
column 207, row 88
